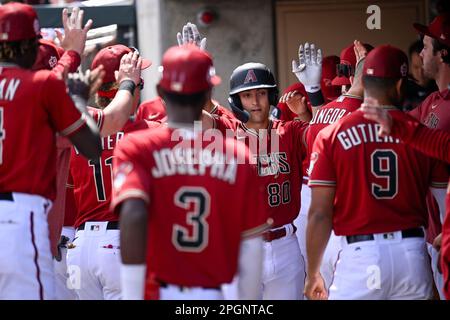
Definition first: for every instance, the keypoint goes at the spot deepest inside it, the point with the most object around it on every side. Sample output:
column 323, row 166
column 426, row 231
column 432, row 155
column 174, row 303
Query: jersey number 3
column 200, row 200
column 384, row 165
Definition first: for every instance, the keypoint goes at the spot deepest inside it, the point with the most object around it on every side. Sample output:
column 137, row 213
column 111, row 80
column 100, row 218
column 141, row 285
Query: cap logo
column 370, row 71
column 250, row 77
column 52, row 61
column 211, row 74
column 404, row 70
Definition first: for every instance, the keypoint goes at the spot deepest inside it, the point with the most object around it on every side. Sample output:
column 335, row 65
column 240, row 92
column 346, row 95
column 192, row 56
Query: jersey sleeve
column 256, row 219
column 63, row 114
column 98, row 116
column 70, row 60
column 432, row 142
column 132, row 176
column 322, row 171
column 298, row 130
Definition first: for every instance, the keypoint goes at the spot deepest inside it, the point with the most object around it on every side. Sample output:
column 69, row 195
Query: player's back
column 380, row 182
column 28, row 122
column 201, row 202
column 329, row 114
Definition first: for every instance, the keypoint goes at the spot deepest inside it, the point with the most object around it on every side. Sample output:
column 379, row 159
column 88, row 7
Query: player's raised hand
column 360, row 51
column 130, row 68
column 374, row 112
column 295, row 101
column 190, row 34
column 315, row 288
column 74, row 37
column 85, row 84
column 308, row 69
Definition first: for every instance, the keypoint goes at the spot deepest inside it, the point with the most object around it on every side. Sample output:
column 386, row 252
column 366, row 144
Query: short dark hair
column 438, row 46
column 415, row 47
column 10, row 51
column 195, row 100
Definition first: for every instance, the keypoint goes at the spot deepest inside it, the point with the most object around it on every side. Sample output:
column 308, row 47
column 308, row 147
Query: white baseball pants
column 63, row 286
column 26, row 266
column 94, row 262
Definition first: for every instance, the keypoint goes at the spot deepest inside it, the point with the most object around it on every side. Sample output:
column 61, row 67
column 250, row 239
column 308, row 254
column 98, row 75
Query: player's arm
column 133, row 245
column 432, row 142
column 116, row 114
column 357, row 88
column 317, row 235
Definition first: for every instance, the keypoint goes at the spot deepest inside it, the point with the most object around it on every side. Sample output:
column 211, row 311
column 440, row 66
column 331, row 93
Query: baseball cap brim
column 340, row 81
column 256, row 86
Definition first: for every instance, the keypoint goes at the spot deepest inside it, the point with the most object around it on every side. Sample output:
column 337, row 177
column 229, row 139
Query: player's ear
column 398, row 86
column 351, row 79
column 443, row 54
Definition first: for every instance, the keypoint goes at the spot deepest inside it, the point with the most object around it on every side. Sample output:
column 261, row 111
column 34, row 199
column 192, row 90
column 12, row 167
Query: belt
column 6, row 196
column 163, row 284
column 112, row 225
column 409, row 233
column 271, row 235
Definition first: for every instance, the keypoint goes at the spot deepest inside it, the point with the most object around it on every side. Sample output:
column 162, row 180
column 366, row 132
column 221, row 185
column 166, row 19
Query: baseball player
column 433, row 112
column 278, row 150
column 61, row 62
column 328, row 114
column 173, row 196
column 95, row 251
column 381, row 222
column 434, row 143
column 34, row 106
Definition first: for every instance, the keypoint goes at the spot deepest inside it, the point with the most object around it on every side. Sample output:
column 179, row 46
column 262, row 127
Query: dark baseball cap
column 18, row 22
column 386, row 62
column 438, row 29
column 110, row 58
column 187, row 70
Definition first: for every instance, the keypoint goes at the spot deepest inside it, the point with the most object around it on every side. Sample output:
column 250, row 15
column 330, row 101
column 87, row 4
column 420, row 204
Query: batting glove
column 309, row 68
column 191, row 35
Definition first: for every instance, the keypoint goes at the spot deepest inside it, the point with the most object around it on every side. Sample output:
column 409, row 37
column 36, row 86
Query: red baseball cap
column 110, row 58
column 329, row 90
column 47, row 57
column 386, row 62
column 348, row 58
column 18, row 22
column 187, row 70
column 438, row 29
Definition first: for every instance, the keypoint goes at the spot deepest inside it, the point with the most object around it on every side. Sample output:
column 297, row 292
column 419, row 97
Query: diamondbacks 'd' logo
column 250, row 77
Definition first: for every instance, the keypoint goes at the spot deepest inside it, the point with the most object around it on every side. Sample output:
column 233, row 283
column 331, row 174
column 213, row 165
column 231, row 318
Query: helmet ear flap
column 237, row 108
column 273, row 96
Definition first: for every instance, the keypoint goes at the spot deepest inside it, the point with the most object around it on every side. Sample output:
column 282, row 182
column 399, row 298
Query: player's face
column 430, row 60
column 256, row 103
column 416, row 69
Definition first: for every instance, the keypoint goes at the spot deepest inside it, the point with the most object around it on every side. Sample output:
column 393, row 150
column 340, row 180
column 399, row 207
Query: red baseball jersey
column 433, row 112
column 70, row 211
column 33, row 106
column 445, row 248
column 93, row 181
column 380, row 182
column 198, row 210
column 329, row 114
column 221, row 111
column 277, row 155
column 153, row 110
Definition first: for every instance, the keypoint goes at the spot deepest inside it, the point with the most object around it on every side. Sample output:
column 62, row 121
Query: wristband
column 128, row 85
column 316, row 98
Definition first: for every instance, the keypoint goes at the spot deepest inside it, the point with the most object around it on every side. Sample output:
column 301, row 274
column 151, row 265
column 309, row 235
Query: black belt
column 112, row 225
column 409, row 233
column 163, row 284
column 6, row 196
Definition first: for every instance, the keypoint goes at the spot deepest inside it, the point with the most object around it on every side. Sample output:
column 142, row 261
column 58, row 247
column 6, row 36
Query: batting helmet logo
column 250, row 77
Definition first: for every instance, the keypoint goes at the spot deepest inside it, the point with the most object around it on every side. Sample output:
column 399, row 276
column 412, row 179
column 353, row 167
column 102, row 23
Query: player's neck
column 382, row 100
column 209, row 106
column 443, row 77
column 257, row 125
